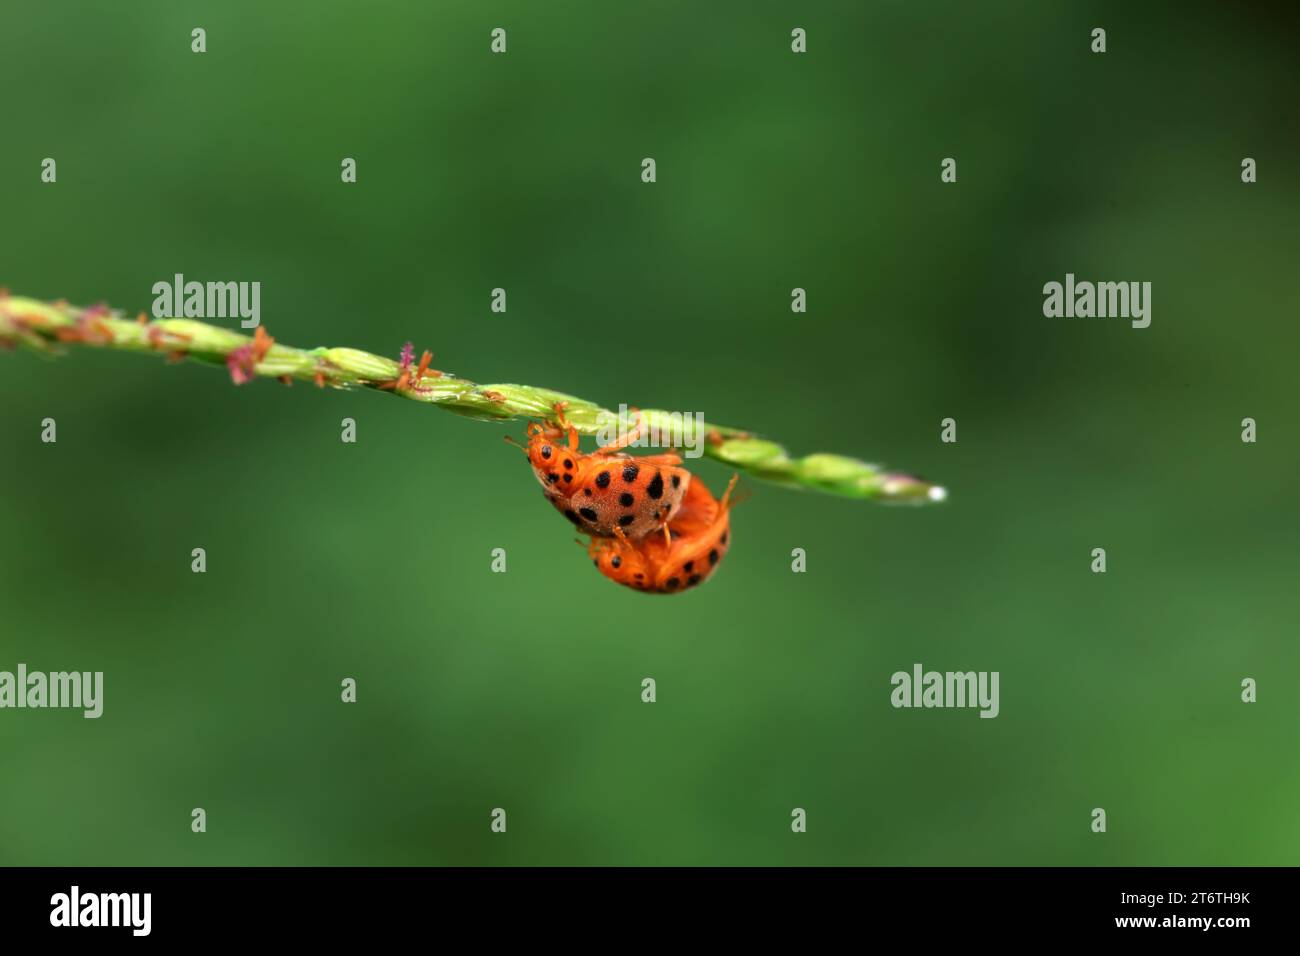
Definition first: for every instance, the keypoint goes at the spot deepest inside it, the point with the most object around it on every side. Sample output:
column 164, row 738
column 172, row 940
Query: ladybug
column 607, row 492
column 698, row 540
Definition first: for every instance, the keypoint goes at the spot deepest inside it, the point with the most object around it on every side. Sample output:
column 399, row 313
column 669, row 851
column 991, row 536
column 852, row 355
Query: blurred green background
column 522, row 690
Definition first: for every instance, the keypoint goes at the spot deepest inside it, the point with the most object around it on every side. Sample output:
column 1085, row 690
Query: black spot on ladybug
column 587, row 492
column 724, row 537
column 568, row 463
column 673, row 584
column 630, row 473
column 688, row 567
column 656, row 487
column 596, row 562
column 713, row 556
column 546, row 451
column 626, row 520
column 693, row 579
column 552, row 477
column 616, row 561
column 626, row 500
column 588, row 513
column 568, row 478
column 677, row 481
column 569, row 513
column 602, row 480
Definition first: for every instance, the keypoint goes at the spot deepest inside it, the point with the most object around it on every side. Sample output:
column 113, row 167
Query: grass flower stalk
column 47, row 327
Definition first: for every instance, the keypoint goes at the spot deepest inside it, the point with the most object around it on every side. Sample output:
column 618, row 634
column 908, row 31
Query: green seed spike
column 41, row 326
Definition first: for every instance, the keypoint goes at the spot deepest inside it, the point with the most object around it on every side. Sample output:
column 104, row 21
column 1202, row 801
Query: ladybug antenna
column 511, row 441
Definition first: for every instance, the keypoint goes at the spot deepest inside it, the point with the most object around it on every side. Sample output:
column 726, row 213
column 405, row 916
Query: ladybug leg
column 622, row 543
column 565, row 424
column 667, row 459
column 628, row 438
column 726, row 495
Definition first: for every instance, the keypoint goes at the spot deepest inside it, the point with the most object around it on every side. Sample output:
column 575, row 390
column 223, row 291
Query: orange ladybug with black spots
column 607, row 492
column 698, row 540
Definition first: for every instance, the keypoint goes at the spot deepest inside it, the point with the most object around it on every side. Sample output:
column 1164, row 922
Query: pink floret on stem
column 240, row 363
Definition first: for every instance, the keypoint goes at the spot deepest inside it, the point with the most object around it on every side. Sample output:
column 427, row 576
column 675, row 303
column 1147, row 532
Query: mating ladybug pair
column 654, row 527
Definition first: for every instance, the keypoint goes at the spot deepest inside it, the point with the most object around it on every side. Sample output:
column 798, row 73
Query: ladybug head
column 548, row 452
column 621, row 563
